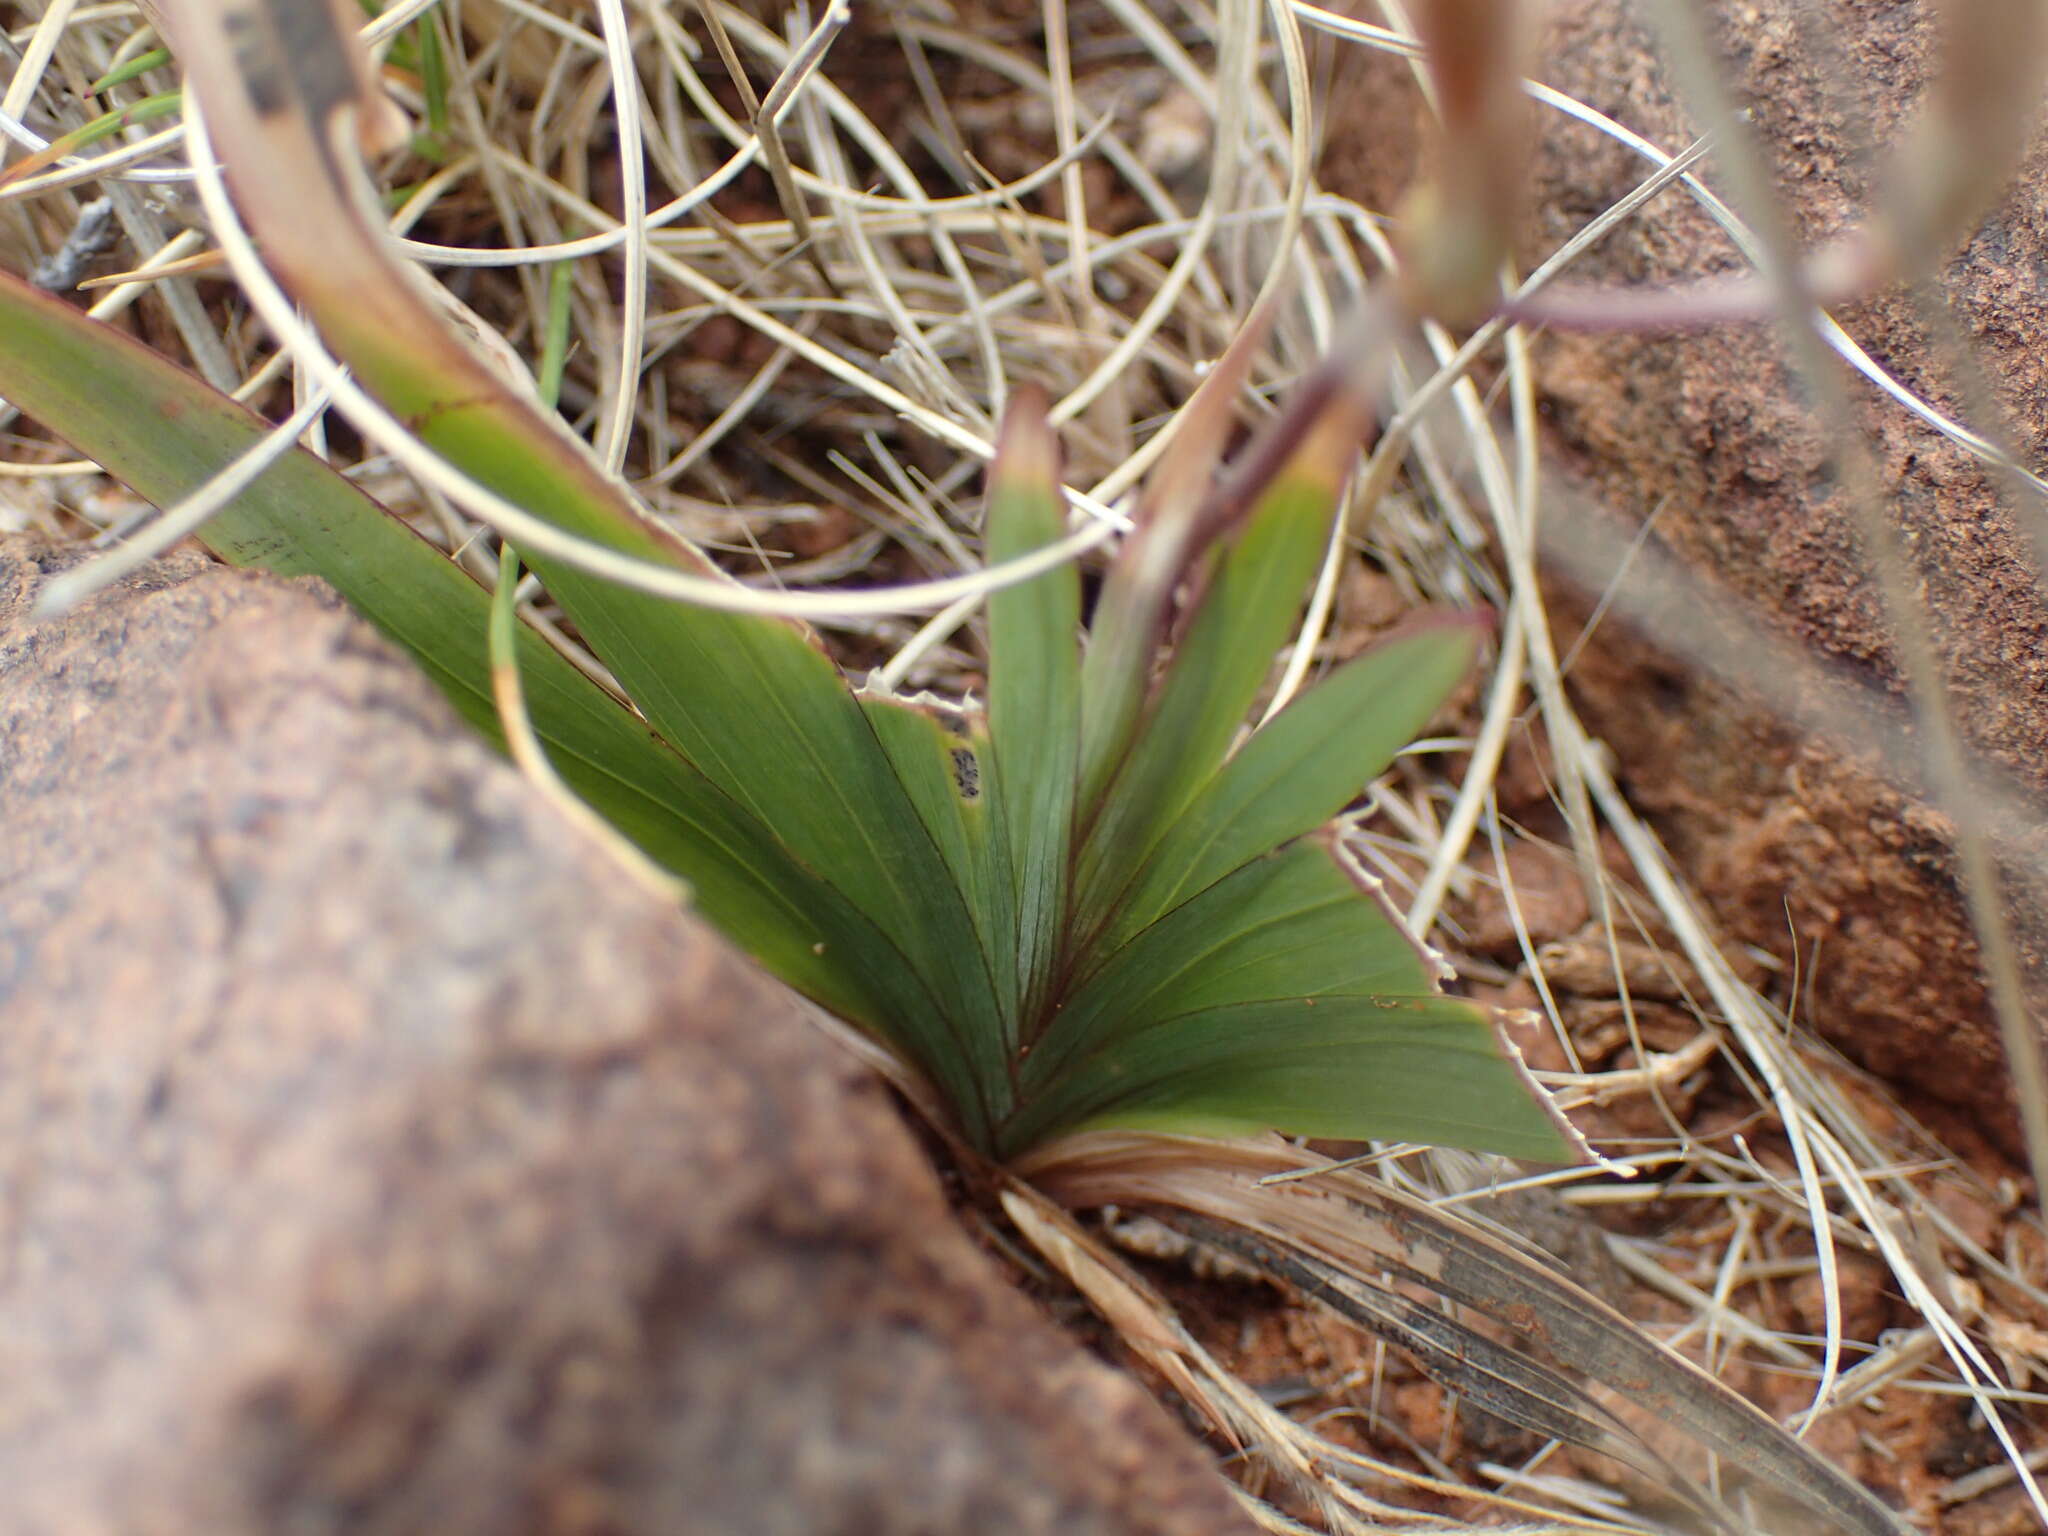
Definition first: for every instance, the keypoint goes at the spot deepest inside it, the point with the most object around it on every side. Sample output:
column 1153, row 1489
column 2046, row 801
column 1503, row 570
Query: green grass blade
column 1034, row 694
column 433, row 70
column 135, row 68
column 1305, row 764
column 105, row 126
column 1224, row 1014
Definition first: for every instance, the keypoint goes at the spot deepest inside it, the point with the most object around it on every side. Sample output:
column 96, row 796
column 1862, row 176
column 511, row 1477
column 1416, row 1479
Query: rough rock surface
column 374, row 1158
column 1704, row 435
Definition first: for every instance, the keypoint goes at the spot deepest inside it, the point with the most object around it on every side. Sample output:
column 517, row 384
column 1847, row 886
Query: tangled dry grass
column 800, row 260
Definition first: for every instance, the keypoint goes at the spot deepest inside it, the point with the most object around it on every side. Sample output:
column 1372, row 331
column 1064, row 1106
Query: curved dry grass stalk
column 885, row 318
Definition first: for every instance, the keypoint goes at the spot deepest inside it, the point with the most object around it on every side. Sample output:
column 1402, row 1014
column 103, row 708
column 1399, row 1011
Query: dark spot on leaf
column 966, row 773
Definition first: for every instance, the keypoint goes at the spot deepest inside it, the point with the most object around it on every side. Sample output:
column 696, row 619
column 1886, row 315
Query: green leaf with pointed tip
column 1238, row 623
column 1423, row 1069
column 1241, row 975
column 1137, row 596
column 1305, row 764
column 105, row 126
column 135, row 68
column 1251, row 604
column 1034, row 693
column 162, row 432
column 768, row 718
column 1279, row 926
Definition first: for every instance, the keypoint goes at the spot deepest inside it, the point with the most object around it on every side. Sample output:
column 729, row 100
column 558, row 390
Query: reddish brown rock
column 1539, row 889
column 1798, row 847
column 374, row 1158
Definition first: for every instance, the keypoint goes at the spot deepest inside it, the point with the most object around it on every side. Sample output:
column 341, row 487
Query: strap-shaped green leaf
column 1252, row 602
column 1235, row 629
column 1137, row 598
column 1301, row 767
column 1425, row 1069
column 942, row 756
column 1034, row 696
column 1293, row 923
column 768, row 718
column 1283, row 997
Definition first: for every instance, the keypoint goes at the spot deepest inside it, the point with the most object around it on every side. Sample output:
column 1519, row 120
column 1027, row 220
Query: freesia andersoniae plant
column 1074, row 907
column 1083, row 904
